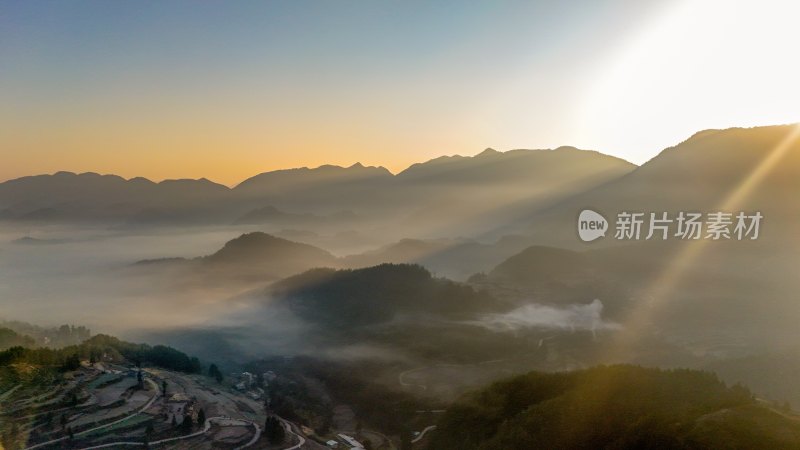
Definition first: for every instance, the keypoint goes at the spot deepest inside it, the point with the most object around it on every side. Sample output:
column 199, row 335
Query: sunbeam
column 657, row 294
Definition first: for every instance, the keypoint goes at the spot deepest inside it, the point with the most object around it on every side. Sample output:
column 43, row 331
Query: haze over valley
column 399, row 225
column 444, row 277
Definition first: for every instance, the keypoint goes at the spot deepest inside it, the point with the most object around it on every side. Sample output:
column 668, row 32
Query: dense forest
column 612, row 407
column 377, row 294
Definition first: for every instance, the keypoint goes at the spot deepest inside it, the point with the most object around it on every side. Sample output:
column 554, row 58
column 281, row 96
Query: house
column 332, row 444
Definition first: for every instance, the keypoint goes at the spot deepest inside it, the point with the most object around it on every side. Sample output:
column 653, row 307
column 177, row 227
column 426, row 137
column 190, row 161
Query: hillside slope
column 617, row 407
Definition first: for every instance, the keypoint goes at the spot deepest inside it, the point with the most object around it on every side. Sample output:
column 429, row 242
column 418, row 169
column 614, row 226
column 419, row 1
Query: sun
column 702, row 64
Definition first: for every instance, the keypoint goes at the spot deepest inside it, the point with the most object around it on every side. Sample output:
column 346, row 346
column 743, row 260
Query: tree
column 72, row 362
column 215, row 373
column 201, row 417
column 63, row 420
column 274, row 430
column 71, row 434
column 187, row 424
column 164, row 387
column 140, row 380
column 405, row 439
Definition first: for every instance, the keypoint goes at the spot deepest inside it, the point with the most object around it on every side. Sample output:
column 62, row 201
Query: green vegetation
column 55, row 337
column 111, row 348
column 44, row 389
column 10, row 338
column 201, row 417
column 616, row 407
column 187, row 425
column 306, row 390
column 377, row 294
column 215, row 373
column 274, row 431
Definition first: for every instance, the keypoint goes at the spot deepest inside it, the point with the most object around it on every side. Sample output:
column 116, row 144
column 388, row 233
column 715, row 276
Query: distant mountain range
column 88, row 197
column 531, row 193
column 699, row 174
column 259, row 256
column 466, row 186
column 467, row 215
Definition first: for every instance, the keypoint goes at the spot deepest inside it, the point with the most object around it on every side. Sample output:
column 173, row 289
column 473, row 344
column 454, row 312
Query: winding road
column 422, row 433
column 221, row 420
column 226, row 421
column 205, row 429
column 288, row 426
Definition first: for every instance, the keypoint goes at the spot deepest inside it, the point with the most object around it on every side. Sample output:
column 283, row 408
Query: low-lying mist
column 67, row 275
column 535, row 316
column 88, row 276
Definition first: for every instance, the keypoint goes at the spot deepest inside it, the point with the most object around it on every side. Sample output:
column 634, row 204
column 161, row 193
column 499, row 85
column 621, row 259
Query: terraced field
column 106, row 407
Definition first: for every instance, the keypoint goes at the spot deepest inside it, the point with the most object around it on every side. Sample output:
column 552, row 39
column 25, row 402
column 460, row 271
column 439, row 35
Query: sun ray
column 657, row 294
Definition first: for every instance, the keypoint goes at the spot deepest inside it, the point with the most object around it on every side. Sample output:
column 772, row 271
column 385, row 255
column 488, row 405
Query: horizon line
column 357, row 164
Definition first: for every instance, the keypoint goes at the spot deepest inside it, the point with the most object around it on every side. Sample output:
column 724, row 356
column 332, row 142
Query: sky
column 226, row 90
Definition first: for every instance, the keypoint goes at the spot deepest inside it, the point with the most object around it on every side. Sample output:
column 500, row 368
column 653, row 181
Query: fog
column 52, row 276
column 67, row 275
column 536, row 316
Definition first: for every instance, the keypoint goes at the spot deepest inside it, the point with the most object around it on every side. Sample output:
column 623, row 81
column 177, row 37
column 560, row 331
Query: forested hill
column 377, row 294
column 10, row 338
column 616, row 407
column 97, row 348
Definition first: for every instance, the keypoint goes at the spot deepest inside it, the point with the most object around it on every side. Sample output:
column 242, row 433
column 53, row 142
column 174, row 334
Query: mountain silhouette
column 470, row 192
column 699, row 174
column 251, row 257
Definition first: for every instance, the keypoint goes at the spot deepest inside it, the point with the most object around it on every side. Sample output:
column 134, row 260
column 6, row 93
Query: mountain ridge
column 355, row 166
column 508, row 176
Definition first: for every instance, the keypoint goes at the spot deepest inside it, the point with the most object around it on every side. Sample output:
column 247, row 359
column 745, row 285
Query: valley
column 324, row 313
